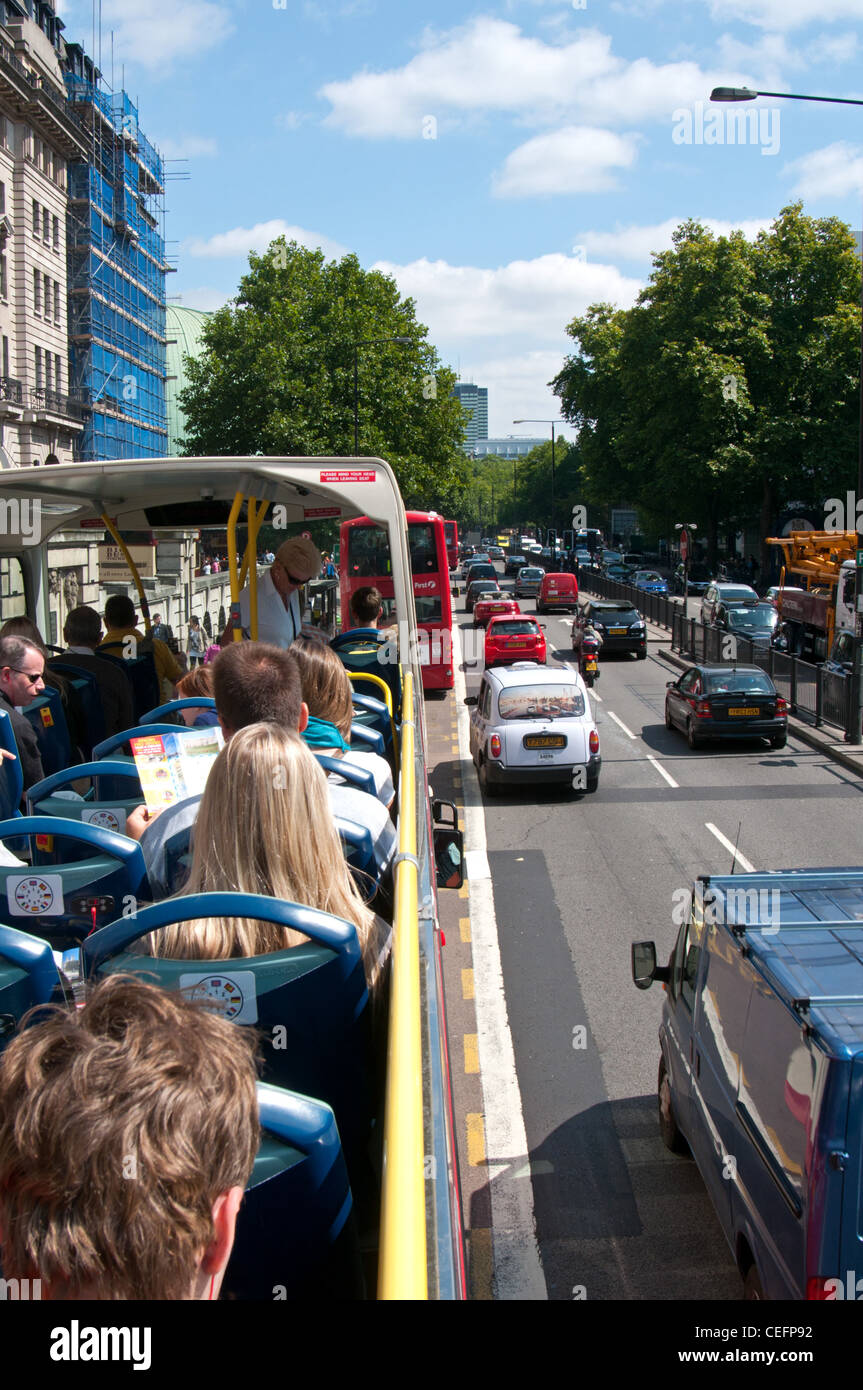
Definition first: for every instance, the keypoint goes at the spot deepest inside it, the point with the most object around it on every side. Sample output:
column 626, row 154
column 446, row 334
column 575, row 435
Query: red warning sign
column 348, row 475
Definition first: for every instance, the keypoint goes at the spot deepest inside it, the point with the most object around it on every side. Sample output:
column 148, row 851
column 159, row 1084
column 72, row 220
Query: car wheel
column 672, row 1137
column 642, row 656
column 779, row 741
column 669, row 722
column 752, row 1289
column 487, row 787
column 691, row 737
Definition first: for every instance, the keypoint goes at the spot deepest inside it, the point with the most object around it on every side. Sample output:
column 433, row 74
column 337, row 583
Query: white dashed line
column 661, row 770
column 723, row 840
column 628, row 732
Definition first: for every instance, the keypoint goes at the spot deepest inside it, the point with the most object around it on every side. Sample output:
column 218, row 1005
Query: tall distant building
column 474, row 399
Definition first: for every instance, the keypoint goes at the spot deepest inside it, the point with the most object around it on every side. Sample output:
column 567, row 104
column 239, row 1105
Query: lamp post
column 855, row 733
column 553, row 423
column 366, row 342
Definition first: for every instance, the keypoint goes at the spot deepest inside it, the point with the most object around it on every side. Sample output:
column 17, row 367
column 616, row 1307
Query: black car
column 756, row 622
column 482, row 569
column 514, row 563
column 620, row 626
column 716, row 702
column 481, row 586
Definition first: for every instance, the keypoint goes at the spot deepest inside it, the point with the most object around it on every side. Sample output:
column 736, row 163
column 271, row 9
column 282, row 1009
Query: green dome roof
column 183, row 325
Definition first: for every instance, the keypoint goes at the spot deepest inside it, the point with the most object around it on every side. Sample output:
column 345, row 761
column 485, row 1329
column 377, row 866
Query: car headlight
column 637, row 627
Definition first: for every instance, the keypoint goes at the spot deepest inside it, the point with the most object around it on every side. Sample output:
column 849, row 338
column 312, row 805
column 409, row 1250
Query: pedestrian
column 195, row 643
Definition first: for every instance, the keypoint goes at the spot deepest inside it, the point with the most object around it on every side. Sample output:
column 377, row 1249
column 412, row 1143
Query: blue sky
column 509, row 164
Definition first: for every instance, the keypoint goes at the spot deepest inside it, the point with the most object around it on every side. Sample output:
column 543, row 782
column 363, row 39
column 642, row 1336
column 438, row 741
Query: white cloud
column 188, row 147
column 778, row 15
column 239, row 241
column 529, row 301
column 833, row 50
column 489, row 66
column 203, row 297
column 767, row 59
column 638, row 243
column 829, row 173
column 518, row 390
column 154, row 35
column 576, row 159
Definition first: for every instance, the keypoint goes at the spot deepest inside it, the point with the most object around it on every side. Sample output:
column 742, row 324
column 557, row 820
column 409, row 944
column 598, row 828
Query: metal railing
column 822, row 696
column 657, row 608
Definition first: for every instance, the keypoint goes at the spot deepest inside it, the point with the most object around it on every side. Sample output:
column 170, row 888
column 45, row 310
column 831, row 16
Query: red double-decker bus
column 450, row 530
column 365, row 560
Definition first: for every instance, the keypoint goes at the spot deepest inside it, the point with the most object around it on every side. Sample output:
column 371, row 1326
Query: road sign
column 684, row 545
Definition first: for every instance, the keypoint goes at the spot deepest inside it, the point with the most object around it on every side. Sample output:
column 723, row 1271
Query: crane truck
column 823, row 565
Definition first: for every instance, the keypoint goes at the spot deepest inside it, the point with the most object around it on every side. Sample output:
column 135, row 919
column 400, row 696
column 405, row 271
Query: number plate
column 544, row 741
column 749, row 710
column 617, row 631
column 590, row 665
column 515, row 642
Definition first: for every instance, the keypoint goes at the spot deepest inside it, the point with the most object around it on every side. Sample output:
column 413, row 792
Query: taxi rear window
column 540, row 702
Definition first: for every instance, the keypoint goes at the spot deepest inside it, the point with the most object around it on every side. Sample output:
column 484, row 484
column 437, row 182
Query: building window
column 5, row 355
column 58, row 375
column 46, row 226
column 35, row 148
column 47, row 371
column 56, row 301
column 4, row 282
column 38, row 357
column 37, row 292
column 55, row 225
column 2, row 198
column 46, row 280
column 36, row 218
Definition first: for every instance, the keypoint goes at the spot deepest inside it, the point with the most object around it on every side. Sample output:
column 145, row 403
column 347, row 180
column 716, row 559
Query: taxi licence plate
column 544, row 740
column 747, row 710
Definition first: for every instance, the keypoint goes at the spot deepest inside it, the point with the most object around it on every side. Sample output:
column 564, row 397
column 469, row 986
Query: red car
column 518, row 638
column 492, row 606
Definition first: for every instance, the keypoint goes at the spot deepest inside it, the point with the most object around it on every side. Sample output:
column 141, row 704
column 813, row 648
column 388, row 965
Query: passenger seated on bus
column 198, row 681
column 265, row 826
column 128, row 1132
column 73, row 713
column 120, row 622
column 21, row 668
column 327, row 692
column 256, row 683
column 83, row 633
column 367, row 606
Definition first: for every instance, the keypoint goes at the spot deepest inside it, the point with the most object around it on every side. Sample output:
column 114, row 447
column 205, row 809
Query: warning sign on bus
column 348, row 475
column 315, row 513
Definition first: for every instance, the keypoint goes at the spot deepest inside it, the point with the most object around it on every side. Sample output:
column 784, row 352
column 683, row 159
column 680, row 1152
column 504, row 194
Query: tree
column 276, row 375
column 731, row 386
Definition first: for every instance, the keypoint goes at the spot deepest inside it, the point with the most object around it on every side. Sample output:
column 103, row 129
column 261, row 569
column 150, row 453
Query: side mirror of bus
column 448, row 845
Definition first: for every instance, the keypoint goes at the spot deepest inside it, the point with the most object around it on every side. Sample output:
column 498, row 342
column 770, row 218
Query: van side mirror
column 643, row 963
column 448, row 845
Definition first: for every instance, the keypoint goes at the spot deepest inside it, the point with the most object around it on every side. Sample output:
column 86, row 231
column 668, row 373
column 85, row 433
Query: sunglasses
column 31, row 678
column 292, row 578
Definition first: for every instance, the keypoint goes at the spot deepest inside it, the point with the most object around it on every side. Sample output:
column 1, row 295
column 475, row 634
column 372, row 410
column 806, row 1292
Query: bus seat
column 98, row 808
column 365, row 738
column 368, row 687
column 89, row 703
column 46, row 717
column 141, row 674
column 191, row 702
column 63, row 902
column 364, row 659
column 28, row 977
column 359, row 852
column 344, row 640
column 108, row 745
column 11, row 780
column 296, row 1235
column 309, row 1003
column 359, row 777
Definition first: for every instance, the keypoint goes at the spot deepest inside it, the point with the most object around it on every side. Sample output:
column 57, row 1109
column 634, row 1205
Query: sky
column 509, row 164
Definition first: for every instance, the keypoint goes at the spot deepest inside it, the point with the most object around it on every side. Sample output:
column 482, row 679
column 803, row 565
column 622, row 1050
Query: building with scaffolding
column 116, row 272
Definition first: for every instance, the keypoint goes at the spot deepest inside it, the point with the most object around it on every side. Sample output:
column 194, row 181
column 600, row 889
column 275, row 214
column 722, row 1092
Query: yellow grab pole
column 255, row 519
column 236, row 625
column 121, row 544
column 403, row 1272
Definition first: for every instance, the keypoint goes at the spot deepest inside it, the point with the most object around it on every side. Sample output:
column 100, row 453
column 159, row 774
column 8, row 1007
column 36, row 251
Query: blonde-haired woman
column 265, row 826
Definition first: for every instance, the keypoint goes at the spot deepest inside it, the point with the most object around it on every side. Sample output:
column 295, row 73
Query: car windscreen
column 483, row 586
column 512, row 627
column 541, row 702
column 648, row 577
column 744, row 682
column 753, row 619
column 531, row 574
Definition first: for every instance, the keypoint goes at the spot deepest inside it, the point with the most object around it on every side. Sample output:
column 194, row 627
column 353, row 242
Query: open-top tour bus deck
column 420, row 1251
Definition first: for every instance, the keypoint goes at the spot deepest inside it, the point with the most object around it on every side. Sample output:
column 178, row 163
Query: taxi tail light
column 494, row 745
column 781, row 705
column 593, row 741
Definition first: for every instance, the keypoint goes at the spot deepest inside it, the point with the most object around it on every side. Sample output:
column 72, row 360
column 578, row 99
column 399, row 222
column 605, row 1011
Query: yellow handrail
column 402, row 1270
column 233, row 574
column 386, row 696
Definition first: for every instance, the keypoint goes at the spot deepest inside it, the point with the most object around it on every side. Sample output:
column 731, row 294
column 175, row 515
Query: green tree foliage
column 730, row 389
column 276, row 375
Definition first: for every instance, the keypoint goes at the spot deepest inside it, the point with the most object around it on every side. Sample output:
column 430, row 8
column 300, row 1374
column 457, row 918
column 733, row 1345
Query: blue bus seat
column 96, row 809
column 190, row 702
column 46, row 717
column 309, row 1003
column 296, row 1235
column 362, row 656
column 141, row 674
column 364, row 738
column 89, row 702
column 28, row 977
column 11, row 780
column 359, row 851
column 110, row 745
column 370, row 712
column 63, row 902
column 359, row 777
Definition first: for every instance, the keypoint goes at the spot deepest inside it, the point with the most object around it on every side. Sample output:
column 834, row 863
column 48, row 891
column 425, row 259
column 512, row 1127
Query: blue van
column 761, row 1070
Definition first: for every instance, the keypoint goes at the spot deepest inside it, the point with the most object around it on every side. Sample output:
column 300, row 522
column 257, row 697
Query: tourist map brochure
column 176, row 765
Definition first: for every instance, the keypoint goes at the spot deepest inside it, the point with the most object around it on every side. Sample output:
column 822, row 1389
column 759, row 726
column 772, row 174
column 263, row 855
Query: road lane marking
column 471, row 1054
column 661, row 770
column 467, row 987
column 475, row 1140
column 476, row 864
column 464, row 929
column 517, row 1262
column 723, row 840
column 628, row 732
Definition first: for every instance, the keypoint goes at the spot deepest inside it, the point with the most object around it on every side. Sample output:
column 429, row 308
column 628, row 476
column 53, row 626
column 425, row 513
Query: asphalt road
column 575, row 881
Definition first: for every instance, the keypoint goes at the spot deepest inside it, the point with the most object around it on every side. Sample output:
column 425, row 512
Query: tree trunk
column 768, row 552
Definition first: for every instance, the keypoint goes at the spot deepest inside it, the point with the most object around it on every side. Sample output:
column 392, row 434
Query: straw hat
column 299, row 557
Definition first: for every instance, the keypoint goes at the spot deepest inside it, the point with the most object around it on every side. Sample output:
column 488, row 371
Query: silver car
column 527, row 582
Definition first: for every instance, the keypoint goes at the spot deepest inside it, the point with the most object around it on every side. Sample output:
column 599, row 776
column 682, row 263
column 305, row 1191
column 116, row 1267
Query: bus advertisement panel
column 450, row 530
column 366, row 560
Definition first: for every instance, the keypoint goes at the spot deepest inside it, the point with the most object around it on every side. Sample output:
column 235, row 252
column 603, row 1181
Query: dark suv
column 620, row 626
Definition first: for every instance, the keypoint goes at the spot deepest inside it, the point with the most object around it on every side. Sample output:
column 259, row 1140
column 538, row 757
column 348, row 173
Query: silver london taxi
column 533, row 724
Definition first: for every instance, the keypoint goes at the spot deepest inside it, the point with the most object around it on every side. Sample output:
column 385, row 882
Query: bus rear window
column 423, row 550
column 368, row 552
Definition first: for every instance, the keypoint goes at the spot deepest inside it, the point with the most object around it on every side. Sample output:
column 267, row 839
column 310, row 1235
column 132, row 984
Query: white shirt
column 377, row 766
column 276, row 623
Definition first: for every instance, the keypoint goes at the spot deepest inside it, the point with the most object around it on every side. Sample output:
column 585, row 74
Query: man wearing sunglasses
column 280, row 618
column 21, row 667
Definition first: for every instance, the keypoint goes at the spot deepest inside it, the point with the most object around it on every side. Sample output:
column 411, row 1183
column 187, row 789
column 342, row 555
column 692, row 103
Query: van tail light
column 494, row 745
column 593, row 741
column 817, row 1290
column 781, row 705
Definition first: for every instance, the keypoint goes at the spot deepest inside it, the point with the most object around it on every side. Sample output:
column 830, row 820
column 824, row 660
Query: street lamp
column 855, row 734
column 552, row 423
column 366, row 342
column 685, row 526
